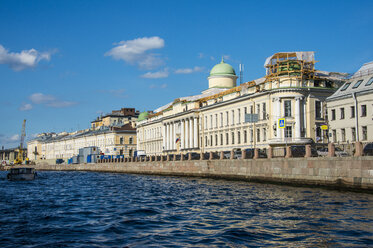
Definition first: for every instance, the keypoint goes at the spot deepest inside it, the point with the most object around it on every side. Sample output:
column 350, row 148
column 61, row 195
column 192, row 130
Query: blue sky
column 62, row 63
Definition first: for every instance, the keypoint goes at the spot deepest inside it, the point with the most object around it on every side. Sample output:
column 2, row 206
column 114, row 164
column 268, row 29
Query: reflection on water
column 78, row 209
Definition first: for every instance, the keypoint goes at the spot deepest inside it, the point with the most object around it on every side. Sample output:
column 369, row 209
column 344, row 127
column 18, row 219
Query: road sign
column 324, row 127
column 281, row 123
column 251, row 118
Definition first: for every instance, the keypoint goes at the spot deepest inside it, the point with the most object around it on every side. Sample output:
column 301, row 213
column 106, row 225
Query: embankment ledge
column 354, row 173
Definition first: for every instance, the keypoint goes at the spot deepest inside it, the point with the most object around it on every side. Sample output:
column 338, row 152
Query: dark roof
column 126, row 127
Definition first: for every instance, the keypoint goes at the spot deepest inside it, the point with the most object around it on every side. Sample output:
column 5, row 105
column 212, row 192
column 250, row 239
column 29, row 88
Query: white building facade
column 350, row 109
column 217, row 119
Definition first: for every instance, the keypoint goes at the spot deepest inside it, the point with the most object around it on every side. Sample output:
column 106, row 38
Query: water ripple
column 81, row 209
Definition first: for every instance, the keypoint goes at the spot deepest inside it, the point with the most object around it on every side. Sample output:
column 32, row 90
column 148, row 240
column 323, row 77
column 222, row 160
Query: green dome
column 142, row 116
column 222, row 69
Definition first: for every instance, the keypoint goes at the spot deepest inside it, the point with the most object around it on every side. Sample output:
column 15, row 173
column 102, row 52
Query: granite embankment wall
column 336, row 172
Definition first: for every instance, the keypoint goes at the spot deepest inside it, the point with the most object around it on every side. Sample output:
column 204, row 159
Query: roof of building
column 143, row 116
column 222, row 69
column 361, row 81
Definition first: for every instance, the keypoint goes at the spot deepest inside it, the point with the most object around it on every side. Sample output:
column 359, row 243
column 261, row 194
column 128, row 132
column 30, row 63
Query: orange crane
column 19, row 159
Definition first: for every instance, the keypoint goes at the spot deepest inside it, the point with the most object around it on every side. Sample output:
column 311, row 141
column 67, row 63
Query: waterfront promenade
column 355, row 173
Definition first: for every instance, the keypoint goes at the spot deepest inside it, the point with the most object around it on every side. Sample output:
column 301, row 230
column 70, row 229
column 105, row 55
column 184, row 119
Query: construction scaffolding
column 299, row 65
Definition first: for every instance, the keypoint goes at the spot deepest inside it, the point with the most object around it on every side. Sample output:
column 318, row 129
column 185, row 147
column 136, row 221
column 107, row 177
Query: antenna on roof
column 241, row 73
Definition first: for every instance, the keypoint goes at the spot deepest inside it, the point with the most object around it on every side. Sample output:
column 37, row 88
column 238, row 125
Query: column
column 174, row 136
column 191, row 133
column 164, row 137
column 297, row 117
column 195, row 138
column 278, row 115
column 186, row 133
column 167, row 136
column 182, row 142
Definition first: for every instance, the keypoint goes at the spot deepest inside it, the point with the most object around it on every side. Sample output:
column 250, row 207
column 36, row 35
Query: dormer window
column 357, row 84
column 345, row 86
column 369, row 82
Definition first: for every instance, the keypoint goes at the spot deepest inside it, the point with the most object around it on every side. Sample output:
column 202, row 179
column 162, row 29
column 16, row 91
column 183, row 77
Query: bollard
column 288, row 152
column 168, row 157
column 181, row 157
column 243, row 154
column 210, row 156
column 221, row 155
column 308, row 151
column 232, row 154
column 201, row 156
column 270, row 152
column 256, row 153
column 331, row 150
column 358, row 149
column 189, row 156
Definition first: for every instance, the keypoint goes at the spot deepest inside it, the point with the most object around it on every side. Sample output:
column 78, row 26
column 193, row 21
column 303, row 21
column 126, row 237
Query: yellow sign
column 324, row 127
column 281, row 123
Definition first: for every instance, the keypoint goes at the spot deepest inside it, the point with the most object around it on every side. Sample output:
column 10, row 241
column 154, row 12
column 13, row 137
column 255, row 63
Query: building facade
column 116, row 118
column 226, row 116
column 350, row 109
column 110, row 140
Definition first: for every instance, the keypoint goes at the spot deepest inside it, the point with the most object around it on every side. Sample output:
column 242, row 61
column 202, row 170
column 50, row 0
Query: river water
column 85, row 209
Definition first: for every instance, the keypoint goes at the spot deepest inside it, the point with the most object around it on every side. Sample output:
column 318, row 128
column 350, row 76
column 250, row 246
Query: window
column 353, row 134
column 343, row 133
column 206, row 141
column 205, row 122
column 334, row 132
column 221, row 139
column 369, row 82
column 238, row 137
column 121, row 140
column 333, row 114
column 357, row 84
column 344, row 87
column 342, row 113
column 251, row 109
column 258, row 135
column 318, row 110
column 365, row 132
column 258, row 108
column 239, row 116
column 211, row 140
column 352, row 111
column 216, row 140
column 264, row 111
column 251, row 135
column 363, row 110
column 216, row 120
column 221, row 119
column 245, row 136
column 287, row 108
column 130, row 141
column 211, row 121
column 232, row 117
column 227, row 116
column 232, row 138
column 264, row 134
column 227, row 139
column 245, row 110
column 288, row 132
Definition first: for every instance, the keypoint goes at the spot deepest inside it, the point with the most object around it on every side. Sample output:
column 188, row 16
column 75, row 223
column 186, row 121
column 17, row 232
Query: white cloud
column 24, row 59
column 154, row 86
column 189, row 70
column 136, row 52
column 50, row 101
column 119, row 93
column 25, row 107
column 158, row 74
